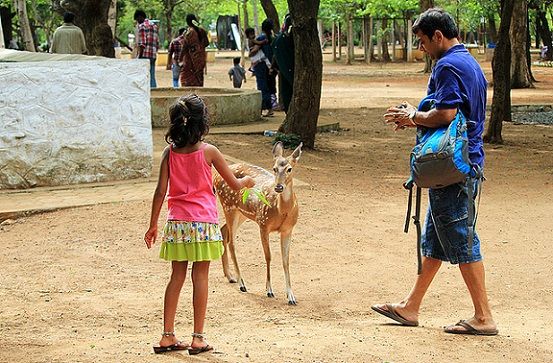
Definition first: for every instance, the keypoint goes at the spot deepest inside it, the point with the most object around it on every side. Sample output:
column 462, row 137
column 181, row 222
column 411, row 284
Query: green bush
column 289, row 141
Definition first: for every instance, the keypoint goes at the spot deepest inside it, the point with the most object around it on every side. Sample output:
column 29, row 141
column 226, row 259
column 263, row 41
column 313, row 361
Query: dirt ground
column 78, row 285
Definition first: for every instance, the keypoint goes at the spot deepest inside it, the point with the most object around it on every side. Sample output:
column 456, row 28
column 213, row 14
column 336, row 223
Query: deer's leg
column 285, row 239
column 267, row 252
column 226, row 237
column 234, row 222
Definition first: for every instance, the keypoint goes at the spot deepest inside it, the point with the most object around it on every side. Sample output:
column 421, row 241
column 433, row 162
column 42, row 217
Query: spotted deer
column 281, row 216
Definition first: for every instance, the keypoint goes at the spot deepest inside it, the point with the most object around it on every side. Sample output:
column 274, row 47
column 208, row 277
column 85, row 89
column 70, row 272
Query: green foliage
column 289, row 141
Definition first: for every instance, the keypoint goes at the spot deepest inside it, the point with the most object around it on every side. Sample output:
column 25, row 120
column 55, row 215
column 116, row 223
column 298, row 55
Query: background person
column 68, row 38
column 147, row 42
column 173, row 57
column 283, row 48
column 264, row 77
column 193, row 55
column 237, row 74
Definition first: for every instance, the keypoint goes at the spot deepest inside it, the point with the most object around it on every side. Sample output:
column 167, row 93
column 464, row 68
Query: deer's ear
column 297, row 153
column 278, row 149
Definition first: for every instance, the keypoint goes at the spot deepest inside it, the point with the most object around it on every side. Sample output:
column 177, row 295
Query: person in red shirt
column 147, row 42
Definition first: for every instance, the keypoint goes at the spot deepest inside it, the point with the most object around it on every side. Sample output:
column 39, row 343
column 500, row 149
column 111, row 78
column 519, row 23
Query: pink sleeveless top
column 191, row 197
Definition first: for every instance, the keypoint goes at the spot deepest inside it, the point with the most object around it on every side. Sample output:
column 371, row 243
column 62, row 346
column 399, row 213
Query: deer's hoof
column 270, row 294
column 292, row 302
column 232, row 280
column 243, row 289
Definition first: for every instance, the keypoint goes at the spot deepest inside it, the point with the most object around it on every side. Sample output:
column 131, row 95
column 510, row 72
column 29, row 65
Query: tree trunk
column 2, row 43
column 6, row 17
column 25, row 28
column 371, row 45
column 351, row 50
column 168, row 9
column 366, row 38
column 92, row 17
column 520, row 75
column 303, row 113
column 245, row 12
column 112, row 16
column 425, row 5
column 271, row 13
column 255, row 16
column 501, row 65
column 528, row 46
column 333, row 41
column 385, row 52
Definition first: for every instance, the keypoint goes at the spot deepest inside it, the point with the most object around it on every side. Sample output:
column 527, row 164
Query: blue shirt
column 266, row 48
column 457, row 81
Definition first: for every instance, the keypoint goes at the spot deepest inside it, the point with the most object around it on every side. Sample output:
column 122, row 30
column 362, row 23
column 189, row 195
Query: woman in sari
column 193, row 55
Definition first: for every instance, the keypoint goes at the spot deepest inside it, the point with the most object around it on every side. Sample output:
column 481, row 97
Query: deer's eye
column 289, row 170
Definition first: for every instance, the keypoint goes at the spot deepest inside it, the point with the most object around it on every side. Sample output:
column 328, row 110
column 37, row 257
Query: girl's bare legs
column 172, row 293
column 200, row 275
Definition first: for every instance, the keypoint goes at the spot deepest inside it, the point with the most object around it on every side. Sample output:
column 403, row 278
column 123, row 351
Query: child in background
column 256, row 55
column 237, row 74
column 192, row 232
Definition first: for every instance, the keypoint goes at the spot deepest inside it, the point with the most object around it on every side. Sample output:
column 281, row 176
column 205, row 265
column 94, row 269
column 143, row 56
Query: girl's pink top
column 191, row 196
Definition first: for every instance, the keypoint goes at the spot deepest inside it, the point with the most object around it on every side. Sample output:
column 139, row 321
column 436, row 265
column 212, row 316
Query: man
column 458, row 83
column 173, row 57
column 68, row 38
column 283, row 49
column 147, row 42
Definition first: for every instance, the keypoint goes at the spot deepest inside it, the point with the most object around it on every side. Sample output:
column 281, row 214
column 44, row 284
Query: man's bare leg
column 474, row 276
column 409, row 307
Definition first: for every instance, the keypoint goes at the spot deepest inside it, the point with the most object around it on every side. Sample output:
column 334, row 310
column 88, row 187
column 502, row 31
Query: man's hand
column 401, row 116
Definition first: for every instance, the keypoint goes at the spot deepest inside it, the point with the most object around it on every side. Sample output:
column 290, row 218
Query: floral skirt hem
column 191, row 241
column 194, row 252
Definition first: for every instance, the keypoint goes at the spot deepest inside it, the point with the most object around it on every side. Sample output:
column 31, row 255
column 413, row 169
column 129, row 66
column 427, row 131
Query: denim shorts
column 445, row 233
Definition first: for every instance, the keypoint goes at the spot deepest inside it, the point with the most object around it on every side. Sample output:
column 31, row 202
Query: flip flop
column 171, row 348
column 205, row 348
column 469, row 329
column 393, row 314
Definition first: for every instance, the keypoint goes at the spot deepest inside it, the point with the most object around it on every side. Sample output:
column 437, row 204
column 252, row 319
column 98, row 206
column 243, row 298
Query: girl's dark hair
column 436, row 19
column 189, row 121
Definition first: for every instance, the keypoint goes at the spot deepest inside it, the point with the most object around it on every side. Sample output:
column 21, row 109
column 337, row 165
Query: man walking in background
column 147, row 42
column 68, row 38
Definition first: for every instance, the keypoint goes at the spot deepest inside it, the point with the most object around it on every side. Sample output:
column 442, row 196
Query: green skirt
column 191, row 241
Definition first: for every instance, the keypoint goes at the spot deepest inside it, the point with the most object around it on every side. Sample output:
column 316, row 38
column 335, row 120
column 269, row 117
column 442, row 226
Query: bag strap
column 416, row 218
column 417, row 223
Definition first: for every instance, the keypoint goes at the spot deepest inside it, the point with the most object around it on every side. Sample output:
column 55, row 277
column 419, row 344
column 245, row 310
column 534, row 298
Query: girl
column 191, row 233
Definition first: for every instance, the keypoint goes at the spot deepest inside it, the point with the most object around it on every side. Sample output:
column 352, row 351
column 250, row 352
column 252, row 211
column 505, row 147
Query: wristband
column 412, row 116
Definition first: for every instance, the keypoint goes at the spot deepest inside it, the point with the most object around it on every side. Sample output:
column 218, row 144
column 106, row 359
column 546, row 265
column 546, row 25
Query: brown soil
column 79, row 285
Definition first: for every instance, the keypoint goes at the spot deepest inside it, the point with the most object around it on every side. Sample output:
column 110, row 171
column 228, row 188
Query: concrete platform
column 19, row 203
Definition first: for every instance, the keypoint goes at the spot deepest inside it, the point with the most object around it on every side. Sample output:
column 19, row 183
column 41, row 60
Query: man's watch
column 412, row 116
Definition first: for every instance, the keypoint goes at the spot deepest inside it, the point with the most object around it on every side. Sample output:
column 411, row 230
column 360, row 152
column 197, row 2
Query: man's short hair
column 181, row 30
column 139, row 14
column 236, row 60
column 436, row 19
column 249, row 31
column 68, row 17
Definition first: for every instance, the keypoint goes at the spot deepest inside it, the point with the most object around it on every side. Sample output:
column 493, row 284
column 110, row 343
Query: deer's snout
column 279, row 188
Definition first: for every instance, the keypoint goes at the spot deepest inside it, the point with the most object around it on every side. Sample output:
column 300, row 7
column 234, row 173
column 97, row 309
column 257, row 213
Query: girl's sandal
column 205, row 348
column 170, row 348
